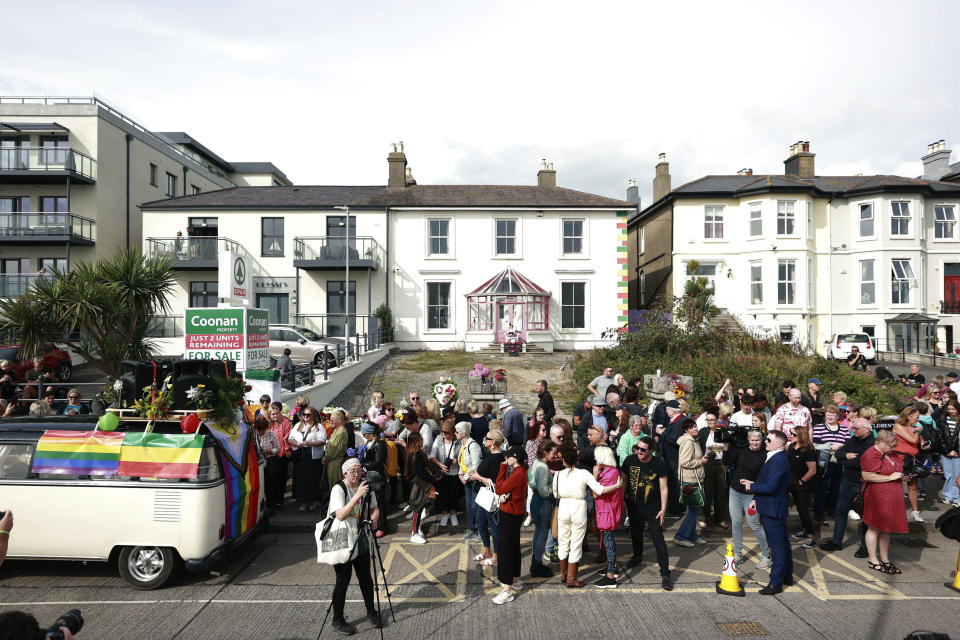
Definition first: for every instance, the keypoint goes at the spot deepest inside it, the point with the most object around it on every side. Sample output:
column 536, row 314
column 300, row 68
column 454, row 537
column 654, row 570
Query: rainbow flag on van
column 160, row 455
column 95, row 453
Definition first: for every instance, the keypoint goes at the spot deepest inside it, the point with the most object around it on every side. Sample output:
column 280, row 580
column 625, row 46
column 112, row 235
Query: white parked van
column 149, row 527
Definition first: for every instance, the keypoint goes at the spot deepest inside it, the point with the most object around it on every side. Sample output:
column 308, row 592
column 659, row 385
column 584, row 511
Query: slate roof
column 735, row 186
column 295, row 197
column 455, row 195
column 311, row 197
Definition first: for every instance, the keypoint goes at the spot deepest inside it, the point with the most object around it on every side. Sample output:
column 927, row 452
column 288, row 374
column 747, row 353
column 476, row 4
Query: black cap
column 952, row 374
column 518, row 452
column 673, row 404
column 447, row 412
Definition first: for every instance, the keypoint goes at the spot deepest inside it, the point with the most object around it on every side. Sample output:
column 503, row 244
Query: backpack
column 883, row 374
column 949, row 524
column 392, row 463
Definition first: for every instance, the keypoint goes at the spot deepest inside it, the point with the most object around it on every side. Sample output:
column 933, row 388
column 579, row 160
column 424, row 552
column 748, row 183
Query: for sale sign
column 230, row 333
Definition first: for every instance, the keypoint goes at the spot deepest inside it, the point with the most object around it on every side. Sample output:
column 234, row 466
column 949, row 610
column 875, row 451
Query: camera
column 913, row 468
column 374, row 480
column 71, row 620
column 734, row 434
column 448, row 463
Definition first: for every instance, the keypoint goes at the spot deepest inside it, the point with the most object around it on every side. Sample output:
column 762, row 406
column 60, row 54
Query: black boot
column 344, row 627
column 539, row 570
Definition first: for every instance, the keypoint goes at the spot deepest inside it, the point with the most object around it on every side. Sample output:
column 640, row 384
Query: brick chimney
column 936, row 163
column 633, row 192
column 397, row 161
column 800, row 162
column 546, row 177
column 661, row 179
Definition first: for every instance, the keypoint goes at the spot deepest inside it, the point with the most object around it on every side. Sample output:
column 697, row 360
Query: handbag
column 488, row 500
column 690, row 495
column 336, row 539
column 856, row 503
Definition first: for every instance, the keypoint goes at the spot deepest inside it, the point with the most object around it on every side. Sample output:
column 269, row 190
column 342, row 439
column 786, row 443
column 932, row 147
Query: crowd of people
column 487, row 471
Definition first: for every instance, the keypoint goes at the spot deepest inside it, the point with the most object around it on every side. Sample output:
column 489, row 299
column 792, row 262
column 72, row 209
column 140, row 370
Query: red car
column 56, row 360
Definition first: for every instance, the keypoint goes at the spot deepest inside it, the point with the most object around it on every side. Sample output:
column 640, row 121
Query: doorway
column 277, row 305
column 511, row 317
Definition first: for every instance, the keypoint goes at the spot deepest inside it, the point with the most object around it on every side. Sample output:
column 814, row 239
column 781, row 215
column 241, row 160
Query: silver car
column 305, row 345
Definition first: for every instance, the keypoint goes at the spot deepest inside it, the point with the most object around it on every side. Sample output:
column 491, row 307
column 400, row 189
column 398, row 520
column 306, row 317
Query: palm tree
column 696, row 305
column 100, row 310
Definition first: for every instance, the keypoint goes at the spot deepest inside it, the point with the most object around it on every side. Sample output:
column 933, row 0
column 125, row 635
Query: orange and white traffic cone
column 729, row 584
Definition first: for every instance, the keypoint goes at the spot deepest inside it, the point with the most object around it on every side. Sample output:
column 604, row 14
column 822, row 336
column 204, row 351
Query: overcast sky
column 480, row 92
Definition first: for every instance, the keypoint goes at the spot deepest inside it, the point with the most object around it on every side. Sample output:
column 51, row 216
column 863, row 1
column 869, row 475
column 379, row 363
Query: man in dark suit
column 770, row 501
column 546, row 401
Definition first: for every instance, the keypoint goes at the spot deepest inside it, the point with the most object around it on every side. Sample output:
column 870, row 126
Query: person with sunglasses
column 770, row 501
column 646, row 496
column 746, row 464
column 74, row 406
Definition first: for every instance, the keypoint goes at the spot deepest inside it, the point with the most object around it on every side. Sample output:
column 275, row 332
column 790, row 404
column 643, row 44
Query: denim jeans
column 541, row 512
column 470, row 505
column 951, row 468
column 551, row 541
column 844, row 500
column 828, row 489
column 739, row 503
column 610, row 544
column 688, row 528
column 487, row 528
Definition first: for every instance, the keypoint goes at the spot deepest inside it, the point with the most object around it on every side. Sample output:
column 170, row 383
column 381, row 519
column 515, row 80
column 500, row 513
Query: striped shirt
column 822, row 434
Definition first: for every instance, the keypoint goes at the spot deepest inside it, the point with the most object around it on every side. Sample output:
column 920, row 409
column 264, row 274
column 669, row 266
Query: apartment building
column 804, row 257
column 74, row 169
column 458, row 265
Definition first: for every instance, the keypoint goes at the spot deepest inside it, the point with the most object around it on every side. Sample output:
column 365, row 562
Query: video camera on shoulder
column 734, row 434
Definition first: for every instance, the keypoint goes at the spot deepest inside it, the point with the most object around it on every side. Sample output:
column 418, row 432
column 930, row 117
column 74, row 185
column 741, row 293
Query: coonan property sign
column 238, row 334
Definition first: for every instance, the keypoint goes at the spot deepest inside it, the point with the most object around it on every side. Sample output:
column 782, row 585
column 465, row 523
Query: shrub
column 386, row 321
column 665, row 341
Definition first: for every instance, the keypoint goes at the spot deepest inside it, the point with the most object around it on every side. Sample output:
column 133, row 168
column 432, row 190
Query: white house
column 458, row 265
column 805, row 257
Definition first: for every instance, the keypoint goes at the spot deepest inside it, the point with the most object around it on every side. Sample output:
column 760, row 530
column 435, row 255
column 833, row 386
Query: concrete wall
column 655, row 259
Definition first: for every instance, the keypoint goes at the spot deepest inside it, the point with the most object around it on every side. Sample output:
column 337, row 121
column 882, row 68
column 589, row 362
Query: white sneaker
column 454, row 521
column 683, row 543
column 503, row 598
column 853, row 515
column 444, row 519
column 765, row 563
column 418, row 539
column 409, row 515
column 517, row 586
column 404, row 506
column 527, row 521
column 701, row 541
column 916, row 516
column 626, row 522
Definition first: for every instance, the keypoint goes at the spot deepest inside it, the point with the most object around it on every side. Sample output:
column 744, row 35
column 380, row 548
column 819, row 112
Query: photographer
column 345, row 502
column 16, row 625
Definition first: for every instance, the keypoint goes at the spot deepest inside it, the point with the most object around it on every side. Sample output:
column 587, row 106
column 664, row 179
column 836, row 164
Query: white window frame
column 949, row 221
column 781, row 215
column 584, row 239
column 755, row 208
column 713, row 223
column 901, row 218
column 810, row 292
column 170, row 186
column 643, row 289
column 809, row 220
column 517, row 239
column 643, row 239
column 586, row 307
column 756, row 284
column 450, row 254
column 451, row 306
column 791, row 284
column 906, row 275
column 872, row 282
column 861, row 207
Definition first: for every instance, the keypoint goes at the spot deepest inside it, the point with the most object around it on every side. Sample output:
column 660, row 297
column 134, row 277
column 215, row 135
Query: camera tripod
column 365, row 526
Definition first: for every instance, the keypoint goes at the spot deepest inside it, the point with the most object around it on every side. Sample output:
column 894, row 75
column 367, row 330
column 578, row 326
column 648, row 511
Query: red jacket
column 516, row 486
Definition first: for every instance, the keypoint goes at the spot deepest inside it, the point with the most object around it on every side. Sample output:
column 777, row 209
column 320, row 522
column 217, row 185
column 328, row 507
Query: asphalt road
column 275, row 589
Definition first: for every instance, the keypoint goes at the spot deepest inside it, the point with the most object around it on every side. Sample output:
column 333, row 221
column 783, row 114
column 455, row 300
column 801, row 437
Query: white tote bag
column 336, row 539
column 488, row 500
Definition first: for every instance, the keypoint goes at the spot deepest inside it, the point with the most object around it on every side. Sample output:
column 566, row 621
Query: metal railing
column 14, row 286
column 165, row 327
column 336, row 248
column 25, row 158
column 47, row 224
column 950, row 306
column 63, row 100
column 188, row 248
column 332, row 324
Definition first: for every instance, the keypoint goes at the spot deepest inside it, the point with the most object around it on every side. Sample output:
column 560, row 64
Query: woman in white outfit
column 570, row 486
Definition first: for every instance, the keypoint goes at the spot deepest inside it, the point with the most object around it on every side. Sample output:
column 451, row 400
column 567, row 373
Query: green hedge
column 712, row 355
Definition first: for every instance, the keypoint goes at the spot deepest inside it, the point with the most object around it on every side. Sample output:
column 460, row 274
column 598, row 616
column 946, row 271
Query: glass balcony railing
column 15, row 285
column 47, row 159
column 37, row 226
column 184, row 250
column 332, row 252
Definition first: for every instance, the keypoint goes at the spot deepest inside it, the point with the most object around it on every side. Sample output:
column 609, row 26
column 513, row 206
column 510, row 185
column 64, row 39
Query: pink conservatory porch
column 508, row 309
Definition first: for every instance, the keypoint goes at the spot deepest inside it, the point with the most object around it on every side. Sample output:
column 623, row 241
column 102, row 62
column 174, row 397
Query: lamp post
column 346, row 284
